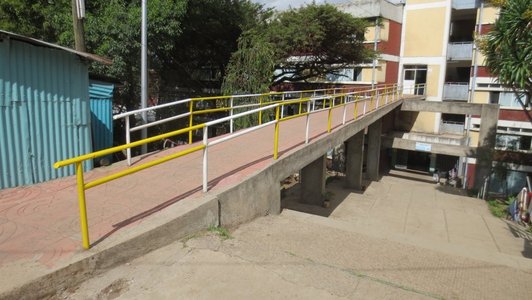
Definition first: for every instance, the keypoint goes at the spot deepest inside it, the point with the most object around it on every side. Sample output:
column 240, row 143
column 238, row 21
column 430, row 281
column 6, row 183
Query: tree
column 297, row 45
column 40, row 19
column 112, row 29
column 210, row 32
column 508, row 47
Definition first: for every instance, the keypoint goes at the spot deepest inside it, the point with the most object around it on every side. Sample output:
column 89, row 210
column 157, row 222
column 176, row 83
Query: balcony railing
column 452, row 127
column 460, row 51
column 458, row 91
column 466, row 4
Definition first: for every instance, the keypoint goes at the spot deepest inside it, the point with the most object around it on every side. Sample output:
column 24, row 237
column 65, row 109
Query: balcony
column 466, row 4
column 456, row 91
column 460, row 51
column 452, row 127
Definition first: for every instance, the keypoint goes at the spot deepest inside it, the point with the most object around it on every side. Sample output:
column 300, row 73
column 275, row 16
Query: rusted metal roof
column 37, row 42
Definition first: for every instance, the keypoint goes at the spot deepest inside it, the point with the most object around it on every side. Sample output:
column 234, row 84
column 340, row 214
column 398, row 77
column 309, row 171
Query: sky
column 284, row 4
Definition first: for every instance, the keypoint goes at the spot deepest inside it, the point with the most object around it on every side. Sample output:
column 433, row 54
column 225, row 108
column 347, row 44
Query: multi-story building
column 431, row 42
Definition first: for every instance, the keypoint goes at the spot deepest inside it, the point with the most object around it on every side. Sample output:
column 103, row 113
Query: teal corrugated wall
column 101, row 103
column 44, row 112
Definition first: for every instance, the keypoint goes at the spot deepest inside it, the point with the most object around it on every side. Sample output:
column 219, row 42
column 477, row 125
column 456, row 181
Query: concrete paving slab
column 297, row 255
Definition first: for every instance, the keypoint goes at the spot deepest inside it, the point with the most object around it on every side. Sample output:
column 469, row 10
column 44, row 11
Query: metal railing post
column 276, row 137
column 260, row 112
column 365, row 105
column 376, row 95
column 356, row 109
column 231, row 122
column 372, row 97
column 128, row 140
column 190, row 121
column 307, row 124
column 82, row 206
column 345, row 111
column 205, row 159
column 329, row 119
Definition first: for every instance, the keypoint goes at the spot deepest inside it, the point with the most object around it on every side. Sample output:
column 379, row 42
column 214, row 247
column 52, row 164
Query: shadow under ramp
column 336, row 193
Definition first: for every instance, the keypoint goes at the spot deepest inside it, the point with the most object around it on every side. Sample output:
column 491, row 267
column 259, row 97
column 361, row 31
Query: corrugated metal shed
column 44, row 111
column 101, row 103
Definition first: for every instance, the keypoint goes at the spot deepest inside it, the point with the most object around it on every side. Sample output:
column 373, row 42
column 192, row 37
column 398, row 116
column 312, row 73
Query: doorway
column 414, row 79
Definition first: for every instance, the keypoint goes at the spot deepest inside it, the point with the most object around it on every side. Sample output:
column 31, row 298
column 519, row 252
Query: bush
column 499, row 208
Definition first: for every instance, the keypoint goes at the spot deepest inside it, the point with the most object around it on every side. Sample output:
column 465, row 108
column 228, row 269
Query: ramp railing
column 363, row 102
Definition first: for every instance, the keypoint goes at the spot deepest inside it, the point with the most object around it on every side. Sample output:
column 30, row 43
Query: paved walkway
column 39, row 224
column 374, row 245
column 408, row 207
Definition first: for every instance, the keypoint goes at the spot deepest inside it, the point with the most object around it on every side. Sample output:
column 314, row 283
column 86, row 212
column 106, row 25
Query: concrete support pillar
column 394, row 158
column 374, row 150
column 486, row 142
column 313, row 182
column 354, row 160
column 432, row 166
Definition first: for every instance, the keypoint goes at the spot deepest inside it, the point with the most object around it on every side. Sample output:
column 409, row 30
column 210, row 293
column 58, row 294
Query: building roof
column 40, row 43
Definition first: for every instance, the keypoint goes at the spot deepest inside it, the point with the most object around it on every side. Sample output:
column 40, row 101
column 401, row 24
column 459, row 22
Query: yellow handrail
column 81, row 186
column 115, row 149
column 78, row 161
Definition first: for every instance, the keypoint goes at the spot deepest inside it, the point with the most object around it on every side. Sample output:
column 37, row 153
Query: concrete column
column 486, row 142
column 432, row 166
column 354, row 159
column 313, row 182
column 374, row 150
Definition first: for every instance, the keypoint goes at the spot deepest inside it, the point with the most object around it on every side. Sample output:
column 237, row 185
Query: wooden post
column 79, row 32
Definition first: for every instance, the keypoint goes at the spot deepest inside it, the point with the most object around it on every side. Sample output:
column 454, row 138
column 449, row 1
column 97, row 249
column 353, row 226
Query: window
column 513, row 142
column 494, row 97
column 347, row 74
column 506, row 99
column 414, row 79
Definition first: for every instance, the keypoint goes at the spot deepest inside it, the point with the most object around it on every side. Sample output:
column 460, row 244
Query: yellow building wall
column 433, row 80
column 384, row 33
column 381, row 71
column 367, row 74
column 481, row 97
column 481, row 59
column 424, row 122
column 473, row 142
column 424, row 31
column 385, row 30
column 489, row 15
column 369, row 35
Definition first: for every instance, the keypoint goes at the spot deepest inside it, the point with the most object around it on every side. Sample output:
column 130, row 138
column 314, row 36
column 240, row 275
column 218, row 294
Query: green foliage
column 210, row 31
column 36, row 18
column 251, row 67
column 296, row 45
column 508, row 47
column 222, row 232
column 499, row 208
column 184, row 36
column 113, row 30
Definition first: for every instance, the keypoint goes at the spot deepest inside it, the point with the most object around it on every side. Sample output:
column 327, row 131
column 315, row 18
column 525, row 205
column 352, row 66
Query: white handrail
column 285, row 97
